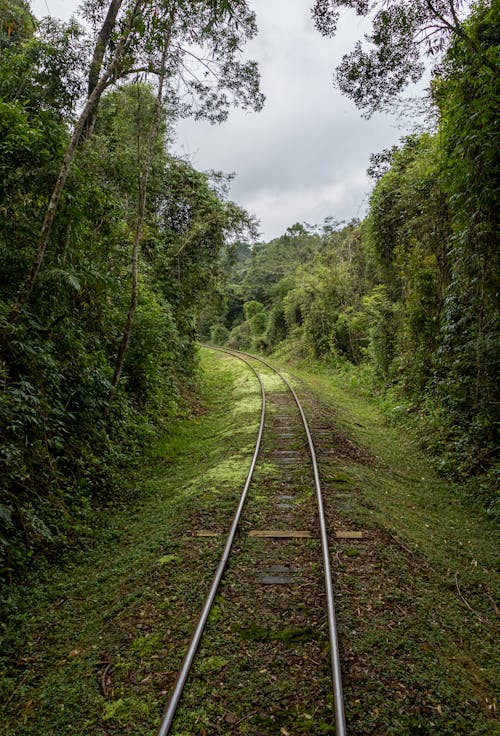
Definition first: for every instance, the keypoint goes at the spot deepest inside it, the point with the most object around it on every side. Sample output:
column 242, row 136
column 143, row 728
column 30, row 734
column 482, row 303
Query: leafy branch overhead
column 205, row 46
column 393, row 54
column 193, row 47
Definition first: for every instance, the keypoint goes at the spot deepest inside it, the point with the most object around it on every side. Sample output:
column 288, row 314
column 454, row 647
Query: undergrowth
column 453, row 453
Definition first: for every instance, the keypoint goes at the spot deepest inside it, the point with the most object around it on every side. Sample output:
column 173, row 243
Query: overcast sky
column 304, row 157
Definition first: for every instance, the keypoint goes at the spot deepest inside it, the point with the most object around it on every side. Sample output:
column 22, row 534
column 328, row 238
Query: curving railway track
column 277, row 532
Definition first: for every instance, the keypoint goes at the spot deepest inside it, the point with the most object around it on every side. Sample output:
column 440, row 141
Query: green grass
column 417, row 618
column 406, row 495
column 421, row 591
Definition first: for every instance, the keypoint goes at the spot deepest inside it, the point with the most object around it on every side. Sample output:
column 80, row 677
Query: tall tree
column 204, row 72
column 403, row 33
column 144, row 172
column 101, row 45
column 468, row 97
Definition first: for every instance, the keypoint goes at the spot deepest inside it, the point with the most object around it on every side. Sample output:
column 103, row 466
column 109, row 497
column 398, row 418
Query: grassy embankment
column 80, row 639
column 88, row 644
column 420, row 594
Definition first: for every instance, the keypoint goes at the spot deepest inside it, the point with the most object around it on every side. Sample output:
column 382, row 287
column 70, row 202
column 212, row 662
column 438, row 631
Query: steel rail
column 332, row 622
column 340, row 723
column 172, row 704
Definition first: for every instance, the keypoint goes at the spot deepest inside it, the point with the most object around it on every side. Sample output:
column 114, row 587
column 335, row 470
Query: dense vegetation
column 113, row 251
column 409, row 296
column 108, row 247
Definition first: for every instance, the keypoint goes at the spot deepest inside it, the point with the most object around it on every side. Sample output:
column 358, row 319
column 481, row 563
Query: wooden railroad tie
column 292, row 534
column 279, row 534
column 282, row 534
column 349, row 535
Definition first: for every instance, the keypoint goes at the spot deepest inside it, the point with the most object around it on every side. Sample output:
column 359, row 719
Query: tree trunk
column 98, row 57
column 141, row 214
column 88, row 110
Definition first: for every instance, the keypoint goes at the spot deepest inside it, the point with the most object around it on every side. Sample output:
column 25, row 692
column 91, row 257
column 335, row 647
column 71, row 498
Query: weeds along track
column 267, row 631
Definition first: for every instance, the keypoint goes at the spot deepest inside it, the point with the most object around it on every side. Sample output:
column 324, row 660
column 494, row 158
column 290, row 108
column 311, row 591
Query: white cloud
column 63, row 9
column 305, row 156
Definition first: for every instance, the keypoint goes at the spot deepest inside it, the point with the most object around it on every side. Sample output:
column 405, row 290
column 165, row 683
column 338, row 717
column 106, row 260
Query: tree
column 115, row 261
column 202, row 67
column 144, row 173
column 16, row 22
column 403, row 33
column 468, row 97
column 39, row 87
column 407, row 239
column 197, row 226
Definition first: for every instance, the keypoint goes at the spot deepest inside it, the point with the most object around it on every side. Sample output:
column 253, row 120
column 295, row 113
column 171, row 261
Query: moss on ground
column 416, row 598
column 89, row 643
column 91, row 611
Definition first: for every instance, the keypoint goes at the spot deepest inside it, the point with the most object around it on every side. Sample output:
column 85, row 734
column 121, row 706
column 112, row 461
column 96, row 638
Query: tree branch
column 456, row 28
column 141, row 215
column 201, row 61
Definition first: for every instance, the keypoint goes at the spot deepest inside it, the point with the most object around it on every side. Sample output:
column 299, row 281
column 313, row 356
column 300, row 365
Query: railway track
column 285, row 604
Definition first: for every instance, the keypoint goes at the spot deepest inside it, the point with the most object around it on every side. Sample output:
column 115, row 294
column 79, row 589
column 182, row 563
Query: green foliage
column 392, row 55
column 148, row 364
column 43, row 73
column 407, row 233
column 218, row 334
column 61, row 447
column 240, row 337
column 198, row 34
column 382, row 320
column 323, row 304
column 28, row 148
column 277, row 327
column 468, row 97
column 410, row 295
column 16, row 22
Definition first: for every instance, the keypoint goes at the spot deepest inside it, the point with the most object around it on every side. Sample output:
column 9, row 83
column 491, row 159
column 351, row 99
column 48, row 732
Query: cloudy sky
column 304, row 157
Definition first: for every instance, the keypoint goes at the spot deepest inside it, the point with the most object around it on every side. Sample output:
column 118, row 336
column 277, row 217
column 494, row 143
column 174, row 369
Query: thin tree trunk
column 141, row 214
column 98, row 57
column 88, row 110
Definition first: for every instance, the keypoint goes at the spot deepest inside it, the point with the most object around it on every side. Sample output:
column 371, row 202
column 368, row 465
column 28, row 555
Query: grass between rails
column 268, row 641
column 92, row 647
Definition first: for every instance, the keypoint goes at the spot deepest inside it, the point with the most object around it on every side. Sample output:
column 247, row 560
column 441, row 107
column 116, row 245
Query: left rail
column 172, row 704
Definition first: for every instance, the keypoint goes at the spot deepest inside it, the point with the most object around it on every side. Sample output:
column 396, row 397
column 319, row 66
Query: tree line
column 409, row 296
column 108, row 243
column 116, row 254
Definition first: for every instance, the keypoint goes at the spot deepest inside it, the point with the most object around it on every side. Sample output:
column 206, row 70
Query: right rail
column 330, row 600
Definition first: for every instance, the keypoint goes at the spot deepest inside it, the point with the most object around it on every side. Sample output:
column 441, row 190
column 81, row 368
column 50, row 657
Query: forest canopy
column 109, row 244
column 117, row 255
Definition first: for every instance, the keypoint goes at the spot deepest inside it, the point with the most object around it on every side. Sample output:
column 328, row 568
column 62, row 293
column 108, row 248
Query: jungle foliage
column 108, row 247
column 405, row 36
column 115, row 253
column 409, row 296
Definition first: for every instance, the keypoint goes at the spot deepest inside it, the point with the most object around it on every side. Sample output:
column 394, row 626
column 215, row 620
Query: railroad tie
column 280, row 534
